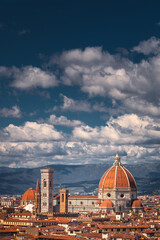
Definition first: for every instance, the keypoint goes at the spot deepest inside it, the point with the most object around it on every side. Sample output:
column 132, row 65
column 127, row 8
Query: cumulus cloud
column 30, row 154
column 31, row 132
column 123, row 130
column 35, row 144
column 5, row 71
column 99, row 73
column 29, row 77
column 63, row 121
column 70, row 104
column 149, row 46
column 141, row 106
column 114, row 76
column 30, row 145
column 14, row 112
column 132, row 88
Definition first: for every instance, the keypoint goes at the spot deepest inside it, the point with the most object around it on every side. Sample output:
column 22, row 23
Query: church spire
column 38, row 198
column 37, row 186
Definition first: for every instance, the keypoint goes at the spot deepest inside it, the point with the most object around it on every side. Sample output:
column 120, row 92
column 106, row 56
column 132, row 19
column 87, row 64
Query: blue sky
column 79, row 80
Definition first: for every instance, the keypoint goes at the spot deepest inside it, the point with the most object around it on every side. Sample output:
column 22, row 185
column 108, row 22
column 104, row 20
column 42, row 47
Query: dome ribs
column 131, row 179
column 29, row 195
column 109, row 181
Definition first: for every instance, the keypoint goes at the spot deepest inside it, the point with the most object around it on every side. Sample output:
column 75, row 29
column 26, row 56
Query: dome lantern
column 117, row 160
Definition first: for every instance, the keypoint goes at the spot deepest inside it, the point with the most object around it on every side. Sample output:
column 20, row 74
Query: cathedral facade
column 117, row 192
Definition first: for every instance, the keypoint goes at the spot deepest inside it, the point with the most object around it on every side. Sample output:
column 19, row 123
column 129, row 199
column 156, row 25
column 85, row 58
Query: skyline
column 79, row 81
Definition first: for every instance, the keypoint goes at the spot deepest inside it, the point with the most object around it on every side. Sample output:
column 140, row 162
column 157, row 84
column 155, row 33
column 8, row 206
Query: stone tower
column 46, row 190
column 63, row 201
column 38, row 198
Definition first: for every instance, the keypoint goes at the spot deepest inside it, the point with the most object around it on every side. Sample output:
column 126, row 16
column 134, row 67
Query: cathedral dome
column 107, row 204
column 117, row 177
column 29, row 195
column 137, row 204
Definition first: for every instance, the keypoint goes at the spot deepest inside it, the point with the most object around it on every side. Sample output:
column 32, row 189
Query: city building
column 117, row 192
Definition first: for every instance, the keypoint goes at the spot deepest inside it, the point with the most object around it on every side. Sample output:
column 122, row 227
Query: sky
column 79, row 80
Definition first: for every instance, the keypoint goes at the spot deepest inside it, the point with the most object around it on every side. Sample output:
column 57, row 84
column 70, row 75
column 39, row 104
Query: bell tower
column 63, row 201
column 47, row 190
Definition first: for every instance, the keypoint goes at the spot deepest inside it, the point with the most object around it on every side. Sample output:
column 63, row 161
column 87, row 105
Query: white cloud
column 36, row 144
column 136, row 105
column 72, row 105
column 149, row 46
column 31, row 77
column 124, row 130
column 5, row 71
column 63, row 121
column 90, row 54
column 114, row 76
column 75, row 105
column 29, row 154
column 32, row 131
column 14, row 112
column 99, row 73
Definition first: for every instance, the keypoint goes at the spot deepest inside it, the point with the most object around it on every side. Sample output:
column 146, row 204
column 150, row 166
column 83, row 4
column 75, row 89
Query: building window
column 92, row 203
column 50, row 184
column 44, row 194
column 44, row 204
column 81, row 203
column 122, row 195
column 70, row 202
column 62, row 197
column 108, row 194
column 44, row 183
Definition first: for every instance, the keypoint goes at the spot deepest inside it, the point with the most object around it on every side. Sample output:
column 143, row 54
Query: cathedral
column 117, row 192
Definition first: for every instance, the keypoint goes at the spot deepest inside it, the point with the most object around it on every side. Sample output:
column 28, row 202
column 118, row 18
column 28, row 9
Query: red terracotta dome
column 107, row 204
column 117, row 177
column 29, row 195
column 137, row 204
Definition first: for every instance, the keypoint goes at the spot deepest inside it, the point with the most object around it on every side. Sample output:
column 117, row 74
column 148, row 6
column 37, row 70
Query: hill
column 78, row 178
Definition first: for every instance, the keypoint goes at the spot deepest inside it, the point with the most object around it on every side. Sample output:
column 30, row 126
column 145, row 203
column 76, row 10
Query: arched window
column 62, row 197
column 44, row 183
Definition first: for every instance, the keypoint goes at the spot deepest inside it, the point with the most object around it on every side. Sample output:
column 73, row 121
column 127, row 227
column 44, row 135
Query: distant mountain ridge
column 82, row 179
